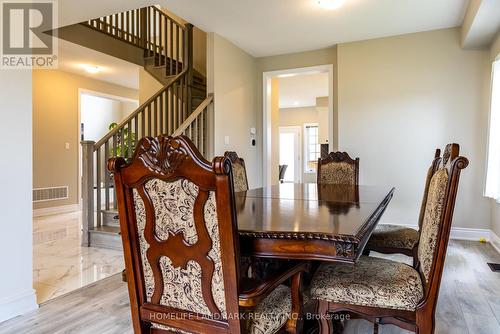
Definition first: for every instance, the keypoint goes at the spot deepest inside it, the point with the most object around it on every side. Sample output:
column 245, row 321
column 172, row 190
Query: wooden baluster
column 122, row 25
column 98, row 187
column 115, row 153
column 129, row 140
column 160, row 34
column 148, row 116
column 165, row 43
column 160, row 110
column 87, row 190
column 155, row 117
column 169, row 114
column 143, row 123
column 174, row 106
column 171, row 25
column 177, row 52
column 136, row 131
column 127, row 19
column 106, row 176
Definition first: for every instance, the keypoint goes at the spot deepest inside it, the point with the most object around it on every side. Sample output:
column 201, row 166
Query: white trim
column 266, row 115
column 13, row 306
column 495, row 241
column 56, row 210
column 472, row 234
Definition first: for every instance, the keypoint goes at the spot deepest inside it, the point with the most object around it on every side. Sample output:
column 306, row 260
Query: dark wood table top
column 342, row 214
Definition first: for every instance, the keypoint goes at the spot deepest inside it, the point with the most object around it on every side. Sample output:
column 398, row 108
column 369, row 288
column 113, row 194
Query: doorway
column 290, row 153
column 296, row 98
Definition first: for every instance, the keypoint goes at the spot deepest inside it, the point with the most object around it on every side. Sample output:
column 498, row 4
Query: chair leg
column 375, row 326
column 325, row 323
column 425, row 327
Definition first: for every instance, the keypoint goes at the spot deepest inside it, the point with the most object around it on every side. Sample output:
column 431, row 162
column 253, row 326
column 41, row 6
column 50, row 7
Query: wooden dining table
column 309, row 221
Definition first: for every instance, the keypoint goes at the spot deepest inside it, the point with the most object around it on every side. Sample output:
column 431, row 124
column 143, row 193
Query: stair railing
column 150, row 28
column 169, row 111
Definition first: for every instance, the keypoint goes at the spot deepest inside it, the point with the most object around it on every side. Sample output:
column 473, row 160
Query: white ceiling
column 271, row 27
column 302, row 90
column 114, row 70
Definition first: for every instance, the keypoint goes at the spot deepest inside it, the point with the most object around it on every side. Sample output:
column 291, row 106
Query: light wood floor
column 469, row 302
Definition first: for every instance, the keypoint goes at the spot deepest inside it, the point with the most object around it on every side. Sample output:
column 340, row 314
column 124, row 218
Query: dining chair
column 338, row 168
column 181, row 247
column 386, row 291
column 239, row 171
column 392, row 239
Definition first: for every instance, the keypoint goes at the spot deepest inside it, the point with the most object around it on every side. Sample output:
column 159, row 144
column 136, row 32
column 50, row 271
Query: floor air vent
column 50, row 194
column 494, row 267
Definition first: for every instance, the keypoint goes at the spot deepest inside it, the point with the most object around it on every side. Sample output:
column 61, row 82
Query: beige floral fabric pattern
column 271, row 314
column 173, row 203
column 239, row 177
column 432, row 221
column 337, row 173
column 371, row 282
column 393, row 236
column 268, row 317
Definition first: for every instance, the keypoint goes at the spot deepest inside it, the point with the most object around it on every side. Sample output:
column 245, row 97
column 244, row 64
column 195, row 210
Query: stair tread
column 106, row 229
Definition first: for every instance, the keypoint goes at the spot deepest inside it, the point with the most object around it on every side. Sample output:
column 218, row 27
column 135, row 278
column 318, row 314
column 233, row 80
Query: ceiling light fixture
column 91, row 68
column 330, row 4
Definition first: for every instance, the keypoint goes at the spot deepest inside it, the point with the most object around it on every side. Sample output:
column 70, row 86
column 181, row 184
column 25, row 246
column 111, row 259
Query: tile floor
column 60, row 264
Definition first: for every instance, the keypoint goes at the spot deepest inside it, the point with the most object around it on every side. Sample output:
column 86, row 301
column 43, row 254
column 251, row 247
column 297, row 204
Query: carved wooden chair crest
column 338, row 168
column 398, row 293
column 179, row 232
column 239, row 171
column 390, row 239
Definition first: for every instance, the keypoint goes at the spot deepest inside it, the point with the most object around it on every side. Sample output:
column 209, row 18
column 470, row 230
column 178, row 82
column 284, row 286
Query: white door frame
column 266, row 112
column 297, row 130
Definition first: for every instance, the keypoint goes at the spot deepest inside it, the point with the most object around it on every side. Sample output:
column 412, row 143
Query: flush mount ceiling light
column 330, row 4
column 91, row 68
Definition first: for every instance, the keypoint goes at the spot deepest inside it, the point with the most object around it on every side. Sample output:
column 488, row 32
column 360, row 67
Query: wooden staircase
column 180, row 107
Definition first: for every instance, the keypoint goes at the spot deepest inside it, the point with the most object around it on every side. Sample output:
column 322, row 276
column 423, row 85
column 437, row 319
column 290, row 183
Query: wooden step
column 106, row 237
column 110, row 218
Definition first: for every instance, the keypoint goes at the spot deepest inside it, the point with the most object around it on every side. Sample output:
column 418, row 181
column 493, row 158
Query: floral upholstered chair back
column 239, row 171
column 173, row 207
column 430, row 172
column 338, row 168
column 438, row 215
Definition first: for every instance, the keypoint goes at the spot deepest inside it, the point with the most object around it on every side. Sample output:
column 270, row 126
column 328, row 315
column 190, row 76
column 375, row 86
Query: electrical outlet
column 67, row 146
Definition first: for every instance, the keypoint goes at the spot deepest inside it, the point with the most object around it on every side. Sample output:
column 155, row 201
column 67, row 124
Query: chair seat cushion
column 270, row 314
column 393, row 236
column 371, row 282
column 268, row 317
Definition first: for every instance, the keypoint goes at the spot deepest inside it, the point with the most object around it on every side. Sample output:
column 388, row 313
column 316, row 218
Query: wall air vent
column 50, row 194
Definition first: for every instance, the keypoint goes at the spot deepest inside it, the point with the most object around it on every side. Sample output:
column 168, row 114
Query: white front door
column 290, row 152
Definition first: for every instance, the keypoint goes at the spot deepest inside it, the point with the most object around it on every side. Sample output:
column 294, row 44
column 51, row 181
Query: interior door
column 290, row 152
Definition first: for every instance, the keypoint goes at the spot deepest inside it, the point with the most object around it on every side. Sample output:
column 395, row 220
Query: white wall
column 232, row 79
column 98, row 112
column 399, row 99
column 16, row 290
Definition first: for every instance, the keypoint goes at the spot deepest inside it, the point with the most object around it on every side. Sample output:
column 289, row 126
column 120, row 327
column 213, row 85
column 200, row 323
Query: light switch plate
column 226, row 140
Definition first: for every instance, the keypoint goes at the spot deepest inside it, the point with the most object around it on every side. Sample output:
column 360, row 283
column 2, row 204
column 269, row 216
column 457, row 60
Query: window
column 492, row 188
column 311, row 148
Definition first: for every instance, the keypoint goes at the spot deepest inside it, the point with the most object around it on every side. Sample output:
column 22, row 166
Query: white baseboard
column 474, row 234
column 56, row 210
column 11, row 307
column 495, row 241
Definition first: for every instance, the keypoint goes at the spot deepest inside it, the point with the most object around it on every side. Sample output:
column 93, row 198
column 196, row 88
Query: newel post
column 87, row 190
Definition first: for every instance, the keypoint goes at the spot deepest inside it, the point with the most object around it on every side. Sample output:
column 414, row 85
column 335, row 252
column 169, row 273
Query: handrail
column 180, row 24
column 141, row 108
column 180, row 130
